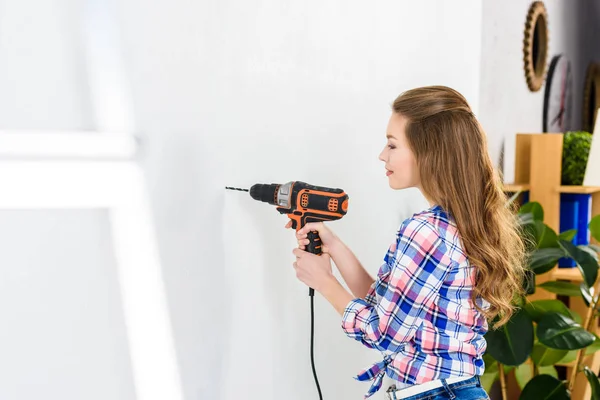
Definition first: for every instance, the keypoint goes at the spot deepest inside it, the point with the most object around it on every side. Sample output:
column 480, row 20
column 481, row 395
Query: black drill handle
column 314, row 247
column 314, row 243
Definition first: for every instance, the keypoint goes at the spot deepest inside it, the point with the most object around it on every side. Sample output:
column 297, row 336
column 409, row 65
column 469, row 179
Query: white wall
column 235, row 93
column 63, row 334
column 507, row 106
column 43, row 76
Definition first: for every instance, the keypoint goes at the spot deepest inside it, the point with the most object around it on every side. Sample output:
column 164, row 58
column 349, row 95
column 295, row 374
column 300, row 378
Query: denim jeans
column 470, row 389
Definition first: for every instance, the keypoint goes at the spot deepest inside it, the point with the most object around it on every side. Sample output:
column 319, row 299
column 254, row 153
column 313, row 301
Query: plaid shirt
column 418, row 313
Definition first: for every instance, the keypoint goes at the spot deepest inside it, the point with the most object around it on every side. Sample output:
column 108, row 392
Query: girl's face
column 400, row 162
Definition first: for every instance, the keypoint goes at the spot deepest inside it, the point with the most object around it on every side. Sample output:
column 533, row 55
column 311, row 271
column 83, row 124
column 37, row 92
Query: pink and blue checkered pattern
column 418, row 313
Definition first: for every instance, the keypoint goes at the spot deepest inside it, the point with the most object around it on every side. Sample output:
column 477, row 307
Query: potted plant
column 576, row 149
column 543, row 333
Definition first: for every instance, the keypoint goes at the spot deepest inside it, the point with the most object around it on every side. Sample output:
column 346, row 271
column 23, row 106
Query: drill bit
column 233, row 188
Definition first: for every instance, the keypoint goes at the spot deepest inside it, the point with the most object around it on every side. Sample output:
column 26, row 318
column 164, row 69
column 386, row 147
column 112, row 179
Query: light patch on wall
column 31, row 181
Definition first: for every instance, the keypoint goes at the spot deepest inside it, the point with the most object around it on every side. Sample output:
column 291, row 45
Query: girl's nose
column 381, row 155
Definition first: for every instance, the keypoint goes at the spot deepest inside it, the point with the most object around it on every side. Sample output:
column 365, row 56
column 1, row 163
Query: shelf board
column 523, row 187
column 569, row 364
column 516, row 187
column 570, row 274
column 579, row 189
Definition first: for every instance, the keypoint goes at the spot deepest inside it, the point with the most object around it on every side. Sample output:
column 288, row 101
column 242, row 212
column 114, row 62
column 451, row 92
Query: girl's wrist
column 335, row 248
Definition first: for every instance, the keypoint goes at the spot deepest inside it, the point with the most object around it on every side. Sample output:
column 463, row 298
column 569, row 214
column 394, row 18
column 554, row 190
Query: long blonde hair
column 457, row 173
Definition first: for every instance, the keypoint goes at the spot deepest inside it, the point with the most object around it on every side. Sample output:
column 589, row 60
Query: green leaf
column 568, row 235
column 543, row 260
column 523, row 373
column 562, row 288
column 594, row 382
column 594, row 226
column 549, row 239
column 570, row 357
column 576, row 317
column 586, row 263
column 487, row 380
column 544, row 387
column 534, row 208
column 532, row 233
column 544, row 356
column 538, row 308
column 548, row 370
column 594, row 347
column 525, row 219
column 585, row 293
column 491, row 364
column 511, row 344
column 540, row 228
column 529, row 282
column 589, row 250
column 559, row 332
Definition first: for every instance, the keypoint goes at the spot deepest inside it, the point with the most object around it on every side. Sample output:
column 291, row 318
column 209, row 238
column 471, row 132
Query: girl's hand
column 328, row 238
column 313, row 270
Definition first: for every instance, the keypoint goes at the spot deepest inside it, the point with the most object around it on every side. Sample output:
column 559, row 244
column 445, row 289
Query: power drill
column 304, row 203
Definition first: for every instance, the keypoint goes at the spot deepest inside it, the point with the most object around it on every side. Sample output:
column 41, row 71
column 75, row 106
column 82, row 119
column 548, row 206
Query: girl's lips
column 388, row 173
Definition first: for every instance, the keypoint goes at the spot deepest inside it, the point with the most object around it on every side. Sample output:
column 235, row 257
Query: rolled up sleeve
column 354, row 318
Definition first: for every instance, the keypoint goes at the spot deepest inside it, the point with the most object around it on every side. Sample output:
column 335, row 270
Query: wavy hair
column 457, row 173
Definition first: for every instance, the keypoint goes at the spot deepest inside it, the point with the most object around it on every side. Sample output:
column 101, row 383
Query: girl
column 452, row 267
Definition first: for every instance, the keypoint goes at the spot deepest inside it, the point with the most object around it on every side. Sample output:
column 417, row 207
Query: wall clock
column 535, row 45
column 558, row 96
column 591, row 96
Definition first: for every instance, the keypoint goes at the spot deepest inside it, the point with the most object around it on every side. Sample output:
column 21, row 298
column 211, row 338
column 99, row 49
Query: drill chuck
column 265, row 193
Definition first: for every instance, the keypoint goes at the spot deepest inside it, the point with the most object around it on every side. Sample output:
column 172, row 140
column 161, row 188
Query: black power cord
column 314, row 247
column 312, row 340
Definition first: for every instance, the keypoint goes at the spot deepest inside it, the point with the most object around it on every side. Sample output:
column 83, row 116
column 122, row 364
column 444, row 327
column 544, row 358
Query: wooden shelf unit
column 515, row 187
column 538, row 167
column 579, row 189
column 566, row 274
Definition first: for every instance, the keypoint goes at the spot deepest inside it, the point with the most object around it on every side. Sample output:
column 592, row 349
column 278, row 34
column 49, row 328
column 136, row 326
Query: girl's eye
column 391, row 146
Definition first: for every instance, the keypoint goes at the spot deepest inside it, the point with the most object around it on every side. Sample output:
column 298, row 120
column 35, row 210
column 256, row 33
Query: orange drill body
column 304, row 203
column 308, row 203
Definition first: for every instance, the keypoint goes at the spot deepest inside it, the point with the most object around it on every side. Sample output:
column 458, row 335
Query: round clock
column 558, row 96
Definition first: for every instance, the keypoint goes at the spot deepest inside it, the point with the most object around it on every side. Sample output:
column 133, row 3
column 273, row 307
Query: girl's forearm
column 335, row 293
column 356, row 277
